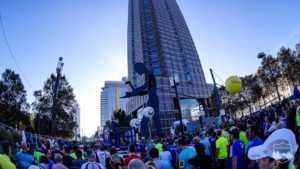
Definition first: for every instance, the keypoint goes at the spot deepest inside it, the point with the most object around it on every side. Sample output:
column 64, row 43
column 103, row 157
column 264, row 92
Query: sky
column 91, row 36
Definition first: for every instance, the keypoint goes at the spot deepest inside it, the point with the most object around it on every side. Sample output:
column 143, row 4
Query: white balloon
column 134, row 123
column 140, row 113
column 148, row 112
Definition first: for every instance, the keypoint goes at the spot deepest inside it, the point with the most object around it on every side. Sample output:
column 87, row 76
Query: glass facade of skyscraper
column 158, row 36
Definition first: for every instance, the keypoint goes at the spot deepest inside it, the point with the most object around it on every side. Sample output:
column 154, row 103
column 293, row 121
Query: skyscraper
column 77, row 120
column 110, row 99
column 158, row 36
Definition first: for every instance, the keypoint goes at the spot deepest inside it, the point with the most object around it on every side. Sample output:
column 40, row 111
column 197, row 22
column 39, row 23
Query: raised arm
column 139, row 91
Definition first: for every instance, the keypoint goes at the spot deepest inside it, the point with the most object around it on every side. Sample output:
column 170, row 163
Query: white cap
column 280, row 145
column 196, row 138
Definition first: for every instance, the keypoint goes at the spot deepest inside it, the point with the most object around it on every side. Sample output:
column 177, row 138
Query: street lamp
column 38, row 96
column 59, row 68
column 262, row 55
column 174, row 81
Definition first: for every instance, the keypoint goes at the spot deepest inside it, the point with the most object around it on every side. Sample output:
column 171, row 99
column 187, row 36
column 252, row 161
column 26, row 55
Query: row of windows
column 158, row 70
column 174, row 48
column 177, row 60
column 152, row 65
column 169, row 30
column 186, row 60
column 168, row 40
column 149, row 37
column 152, row 47
column 171, row 33
column 162, row 14
column 133, row 37
column 173, row 41
column 186, row 76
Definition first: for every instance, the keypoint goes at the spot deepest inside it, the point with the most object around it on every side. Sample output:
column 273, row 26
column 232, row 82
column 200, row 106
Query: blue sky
column 92, row 38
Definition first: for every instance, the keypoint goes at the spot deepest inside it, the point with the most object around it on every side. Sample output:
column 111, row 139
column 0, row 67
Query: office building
column 158, row 36
column 110, row 99
column 77, row 120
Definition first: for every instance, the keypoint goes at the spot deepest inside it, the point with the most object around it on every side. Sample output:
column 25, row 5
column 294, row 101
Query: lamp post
column 39, row 96
column 174, row 81
column 59, row 67
column 262, row 55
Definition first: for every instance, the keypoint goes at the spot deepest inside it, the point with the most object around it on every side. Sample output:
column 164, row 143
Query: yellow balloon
column 233, row 84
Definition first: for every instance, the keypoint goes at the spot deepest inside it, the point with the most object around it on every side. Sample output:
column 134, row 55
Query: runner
column 59, row 162
column 255, row 141
column 185, row 154
column 237, row 151
column 212, row 140
column 24, row 159
column 297, row 104
column 206, row 143
column 165, row 154
column 160, row 164
column 277, row 152
column 67, row 159
column 116, row 162
column 102, row 155
column 201, row 160
column 133, row 155
column 91, row 164
column 159, row 146
column 222, row 150
column 5, row 161
column 281, row 120
column 242, row 136
column 290, row 113
column 79, row 161
column 136, row 164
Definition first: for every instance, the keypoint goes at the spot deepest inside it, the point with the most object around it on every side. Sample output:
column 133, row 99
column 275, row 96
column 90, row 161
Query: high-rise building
column 77, row 120
column 298, row 47
column 110, row 99
column 158, row 36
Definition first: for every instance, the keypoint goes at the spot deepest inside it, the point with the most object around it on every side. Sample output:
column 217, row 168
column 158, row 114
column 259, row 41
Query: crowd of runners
column 266, row 139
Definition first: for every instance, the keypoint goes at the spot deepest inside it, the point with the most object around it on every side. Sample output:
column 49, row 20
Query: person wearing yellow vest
column 222, row 149
column 73, row 155
column 5, row 162
column 38, row 153
column 225, row 133
column 159, row 147
column 242, row 136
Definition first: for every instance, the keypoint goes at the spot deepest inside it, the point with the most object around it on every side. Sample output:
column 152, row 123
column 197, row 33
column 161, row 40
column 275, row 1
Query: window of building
column 182, row 76
column 169, row 65
column 156, row 71
column 188, row 77
column 155, row 64
column 186, row 68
